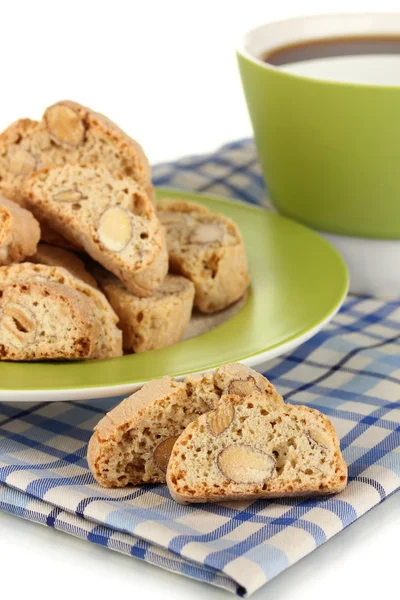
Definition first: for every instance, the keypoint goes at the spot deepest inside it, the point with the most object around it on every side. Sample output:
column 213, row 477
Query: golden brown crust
column 10, row 139
column 58, row 257
column 154, row 322
column 136, row 160
column 93, row 455
column 122, row 416
column 123, row 447
column 16, row 130
column 181, row 206
column 49, row 236
column 19, row 232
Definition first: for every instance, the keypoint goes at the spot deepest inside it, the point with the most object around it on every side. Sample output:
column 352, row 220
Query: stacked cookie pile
column 225, row 435
column 77, row 207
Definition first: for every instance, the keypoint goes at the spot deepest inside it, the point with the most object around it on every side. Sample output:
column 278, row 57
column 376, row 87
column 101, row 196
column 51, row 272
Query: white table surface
column 166, row 72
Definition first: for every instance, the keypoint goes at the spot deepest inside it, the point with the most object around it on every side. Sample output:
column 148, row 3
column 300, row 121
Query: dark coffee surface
column 333, row 47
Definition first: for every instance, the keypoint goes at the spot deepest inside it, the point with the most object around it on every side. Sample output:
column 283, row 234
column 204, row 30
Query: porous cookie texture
column 129, row 441
column 208, row 249
column 133, row 442
column 156, row 321
column 106, row 214
column 68, row 133
column 232, row 378
column 58, row 257
column 19, row 232
column 41, row 321
column 109, row 340
column 247, row 449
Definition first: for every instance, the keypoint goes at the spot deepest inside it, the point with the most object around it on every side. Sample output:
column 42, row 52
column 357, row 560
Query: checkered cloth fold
column 350, row 371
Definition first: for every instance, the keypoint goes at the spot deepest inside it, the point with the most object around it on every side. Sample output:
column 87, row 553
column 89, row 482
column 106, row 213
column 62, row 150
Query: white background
column 166, row 72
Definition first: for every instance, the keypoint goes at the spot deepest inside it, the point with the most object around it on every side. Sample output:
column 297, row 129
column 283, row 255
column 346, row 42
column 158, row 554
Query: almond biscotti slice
column 106, row 214
column 156, row 321
column 133, row 442
column 246, row 449
column 68, row 133
column 208, row 249
column 40, row 321
column 58, row 257
column 109, row 343
column 19, row 232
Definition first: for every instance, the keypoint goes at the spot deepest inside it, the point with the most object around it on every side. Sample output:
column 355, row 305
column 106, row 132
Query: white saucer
column 374, row 265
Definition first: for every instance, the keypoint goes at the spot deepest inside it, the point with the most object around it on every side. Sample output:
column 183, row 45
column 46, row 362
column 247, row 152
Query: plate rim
column 85, row 392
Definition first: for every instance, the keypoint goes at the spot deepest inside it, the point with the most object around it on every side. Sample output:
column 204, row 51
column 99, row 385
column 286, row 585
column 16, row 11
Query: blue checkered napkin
column 350, row 371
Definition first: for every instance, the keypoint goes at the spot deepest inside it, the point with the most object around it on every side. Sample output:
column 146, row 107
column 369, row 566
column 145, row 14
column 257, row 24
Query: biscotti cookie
column 207, row 249
column 245, row 449
column 232, row 378
column 58, row 257
column 133, row 442
column 107, row 215
column 129, row 441
column 109, row 343
column 156, row 321
column 49, row 236
column 68, row 133
column 19, row 232
column 41, row 321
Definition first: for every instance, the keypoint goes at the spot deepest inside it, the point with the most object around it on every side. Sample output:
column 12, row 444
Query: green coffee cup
column 329, row 143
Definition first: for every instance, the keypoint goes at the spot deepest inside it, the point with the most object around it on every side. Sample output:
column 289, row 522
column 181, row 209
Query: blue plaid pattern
column 350, row 371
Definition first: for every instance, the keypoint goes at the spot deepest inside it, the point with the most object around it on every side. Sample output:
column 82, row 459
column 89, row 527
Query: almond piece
column 220, row 419
column 243, row 387
column 206, row 233
column 68, row 196
column 317, row 437
column 19, row 322
column 21, row 162
column 245, row 464
column 42, row 139
column 115, row 228
column 163, row 452
column 65, row 125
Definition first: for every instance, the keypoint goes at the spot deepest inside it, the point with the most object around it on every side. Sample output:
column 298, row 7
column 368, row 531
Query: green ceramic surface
column 330, row 152
column 298, row 281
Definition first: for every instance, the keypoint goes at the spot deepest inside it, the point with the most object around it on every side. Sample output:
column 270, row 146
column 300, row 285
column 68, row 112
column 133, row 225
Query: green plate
column 298, row 284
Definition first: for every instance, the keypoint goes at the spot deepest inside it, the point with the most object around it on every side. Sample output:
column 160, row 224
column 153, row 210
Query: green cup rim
column 242, row 51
